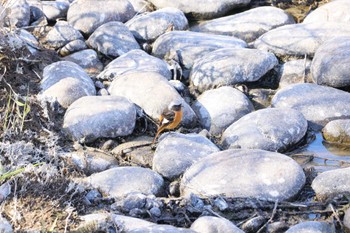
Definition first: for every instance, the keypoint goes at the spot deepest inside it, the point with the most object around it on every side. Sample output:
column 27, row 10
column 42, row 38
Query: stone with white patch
column 135, row 61
column 149, row 26
column 337, row 131
column 244, row 173
column 65, row 82
column 333, row 11
column 331, row 183
column 229, row 66
column 318, row 104
column 248, row 25
column 177, row 152
column 202, row 9
column 267, row 129
column 120, row 181
column 87, row 15
column 185, row 47
column 312, row 227
column 295, row 71
column 331, row 63
column 54, row 10
column 93, row 117
column 19, row 13
column 112, row 39
column 217, row 109
column 210, row 224
column 153, row 93
column 300, row 39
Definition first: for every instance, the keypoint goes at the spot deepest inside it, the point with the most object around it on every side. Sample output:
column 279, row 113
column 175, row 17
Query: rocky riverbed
column 84, row 83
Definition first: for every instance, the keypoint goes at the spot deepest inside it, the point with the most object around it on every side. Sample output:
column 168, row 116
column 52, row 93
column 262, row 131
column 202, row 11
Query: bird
column 170, row 118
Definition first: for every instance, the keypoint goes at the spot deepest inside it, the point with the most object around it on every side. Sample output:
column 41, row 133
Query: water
column 323, row 156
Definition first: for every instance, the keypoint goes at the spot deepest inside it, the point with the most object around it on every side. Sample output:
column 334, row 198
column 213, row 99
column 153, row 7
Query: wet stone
column 219, row 108
column 215, row 69
column 311, row 101
column 112, row 39
column 132, row 62
column 229, row 173
column 295, row 71
column 209, row 224
column 267, row 129
column 177, row 152
column 248, row 25
column 334, row 11
column 312, row 227
column 331, row 183
column 65, row 82
column 331, row 63
column 337, row 131
column 87, row 15
column 185, row 47
column 93, row 117
column 149, row 26
column 120, row 181
column 54, row 10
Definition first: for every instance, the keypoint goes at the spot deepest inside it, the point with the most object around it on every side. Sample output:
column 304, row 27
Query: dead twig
column 271, row 218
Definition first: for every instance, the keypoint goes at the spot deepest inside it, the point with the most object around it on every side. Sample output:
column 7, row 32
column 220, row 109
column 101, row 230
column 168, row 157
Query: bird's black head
column 175, row 106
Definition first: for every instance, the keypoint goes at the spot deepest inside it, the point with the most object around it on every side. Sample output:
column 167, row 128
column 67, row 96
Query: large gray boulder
column 300, row 39
column 120, row 181
column 331, row 63
column 248, row 25
column 200, row 9
column 112, row 39
column 337, row 131
column 177, row 152
column 134, row 61
column 229, row 173
column 88, row 15
column 318, row 104
column 149, row 26
column 312, row 227
column 217, row 109
column 152, row 92
column 93, row 117
column 184, row 46
column 334, row 11
column 230, row 66
column 65, row 82
column 267, row 129
column 210, row 224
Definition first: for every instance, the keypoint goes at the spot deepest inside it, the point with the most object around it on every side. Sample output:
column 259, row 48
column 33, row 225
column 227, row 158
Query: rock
column 185, row 47
column 312, row 227
column 5, row 226
column 177, row 152
column 248, row 25
column 334, row 11
column 277, row 227
column 93, row 117
column 337, row 131
column 209, row 224
column 134, row 61
column 29, row 40
column 65, row 82
column 5, row 190
column 331, row 183
column 152, row 92
column 88, row 60
column 141, row 6
column 282, row 41
column 87, row 15
column 72, row 47
column 254, row 224
column 149, row 26
column 267, row 129
column 54, row 10
column 61, row 34
column 331, row 63
column 229, row 173
column 200, row 9
column 295, row 71
column 120, row 181
column 132, row 200
column 91, row 161
column 112, row 39
column 261, row 97
column 311, row 101
column 346, row 220
column 36, row 11
column 219, row 108
column 230, row 66
column 161, row 229
column 18, row 13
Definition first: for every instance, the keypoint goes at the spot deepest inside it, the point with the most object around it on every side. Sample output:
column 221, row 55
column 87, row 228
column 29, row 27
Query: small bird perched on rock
column 170, row 118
